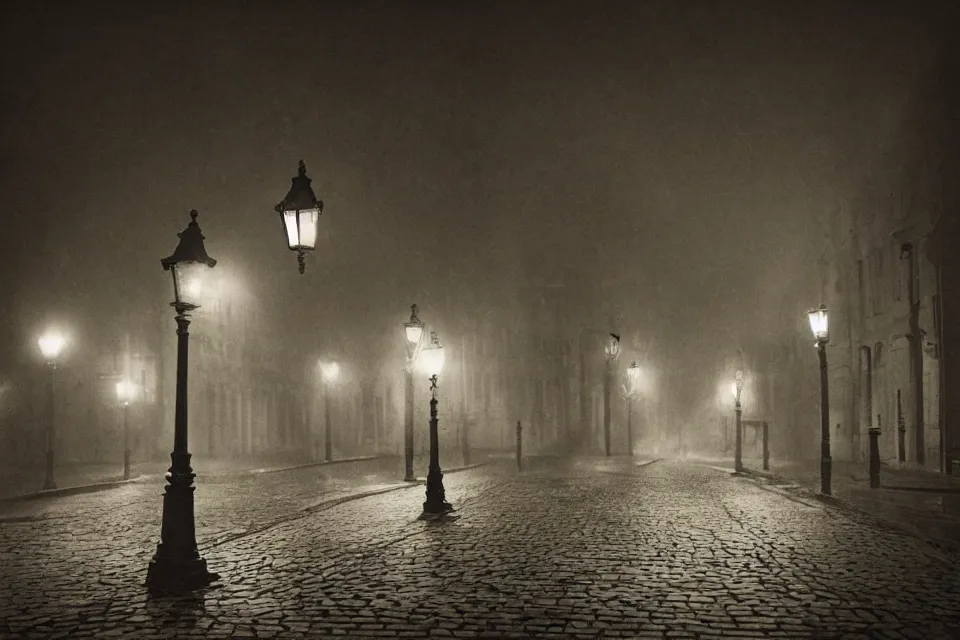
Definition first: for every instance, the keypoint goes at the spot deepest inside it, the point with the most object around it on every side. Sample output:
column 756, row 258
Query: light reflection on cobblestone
column 661, row 550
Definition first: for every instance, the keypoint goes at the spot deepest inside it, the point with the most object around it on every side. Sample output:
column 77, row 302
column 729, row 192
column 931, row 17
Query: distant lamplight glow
column 330, row 371
column 125, row 392
column 819, row 324
column 51, row 344
column 432, row 358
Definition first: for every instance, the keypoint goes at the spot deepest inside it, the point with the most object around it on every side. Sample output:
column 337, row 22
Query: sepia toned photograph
column 521, row 319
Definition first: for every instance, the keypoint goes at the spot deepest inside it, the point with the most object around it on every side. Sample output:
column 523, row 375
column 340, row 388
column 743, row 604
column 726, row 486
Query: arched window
column 877, row 355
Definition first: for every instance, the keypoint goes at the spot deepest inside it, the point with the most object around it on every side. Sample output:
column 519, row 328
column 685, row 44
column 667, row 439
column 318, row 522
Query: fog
column 670, row 172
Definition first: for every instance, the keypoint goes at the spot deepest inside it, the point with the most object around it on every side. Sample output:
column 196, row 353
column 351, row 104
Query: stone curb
column 112, row 484
column 646, row 463
column 323, row 505
column 307, row 465
column 889, row 487
column 329, row 503
column 73, row 490
column 422, row 479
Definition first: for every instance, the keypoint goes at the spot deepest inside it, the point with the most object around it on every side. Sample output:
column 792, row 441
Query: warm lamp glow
column 330, row 371
column 188, row 264
column 737, row 386
column 188, row 282
column 193, row 287
column 432, row 357
column 301, row 228
column 633, row 377
column 51, row 344
column 300, row 212
column 413, row 330
column 125, row 392
column 819, row 323
column 612, row 347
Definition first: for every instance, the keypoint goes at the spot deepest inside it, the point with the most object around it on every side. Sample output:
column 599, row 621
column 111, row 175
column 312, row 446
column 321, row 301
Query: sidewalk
column 915, row 500
column 853, row 473
column 81, row 478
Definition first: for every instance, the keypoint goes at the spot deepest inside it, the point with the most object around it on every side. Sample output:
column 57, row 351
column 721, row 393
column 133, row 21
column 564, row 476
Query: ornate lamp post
column 300, row 212
column 51, row 344
column 738, row 433
column 413, row 333
column 633, row 383
column 125, row 393
column 821, row 332
column 436, row 503
column 177, row 565
column 330, row 371
column 612, row 349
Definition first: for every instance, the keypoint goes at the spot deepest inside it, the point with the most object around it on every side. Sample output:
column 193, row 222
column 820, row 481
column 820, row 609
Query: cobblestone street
column 591, row 549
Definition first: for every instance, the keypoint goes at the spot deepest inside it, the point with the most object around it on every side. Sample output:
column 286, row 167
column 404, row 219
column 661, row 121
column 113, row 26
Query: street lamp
column 432, row 359
column 177, row 565
column 329, row 371
column 633, row 382
column 51, row 345
column 612, row 349
column 821, row 332
column 300, row 212
column 737, row 388
column 125, row 392
column 413, row 333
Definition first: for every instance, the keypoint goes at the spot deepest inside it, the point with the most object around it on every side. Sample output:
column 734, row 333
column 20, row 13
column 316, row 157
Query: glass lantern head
column 633, row 377
column 819, row 324
column 432, row 356
column 188, row 264
column 300, row 214
column 612, row 348
column 413, row 329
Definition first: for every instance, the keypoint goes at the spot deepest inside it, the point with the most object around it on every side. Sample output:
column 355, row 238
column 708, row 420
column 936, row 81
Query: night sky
column 680, row 158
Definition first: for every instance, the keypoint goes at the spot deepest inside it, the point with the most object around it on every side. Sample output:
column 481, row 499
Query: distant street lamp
column 51, row 344
column 821, row 332
column 436, row 502
column 125, row 392
column 330, row 371
column 612, row 350
column 177, row 565
column 738, row 435
column 300, row 213
column 413, row 334
column 633, row 383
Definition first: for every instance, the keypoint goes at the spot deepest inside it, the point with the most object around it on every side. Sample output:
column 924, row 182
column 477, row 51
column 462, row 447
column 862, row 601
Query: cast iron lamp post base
column 436, row 502
column 177, row 565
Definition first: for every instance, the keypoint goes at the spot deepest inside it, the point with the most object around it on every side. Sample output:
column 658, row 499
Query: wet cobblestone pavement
column 588, row 550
